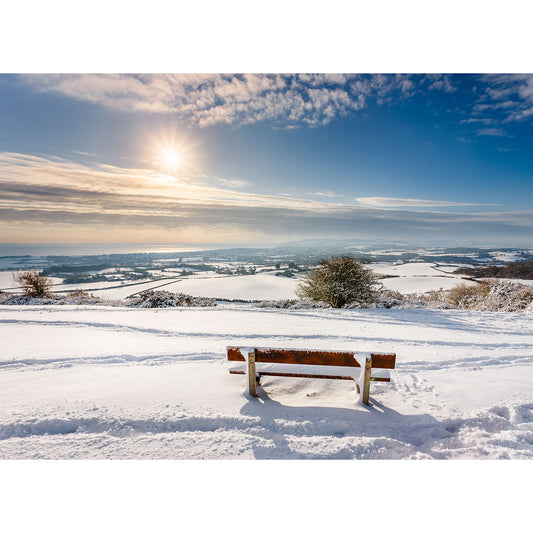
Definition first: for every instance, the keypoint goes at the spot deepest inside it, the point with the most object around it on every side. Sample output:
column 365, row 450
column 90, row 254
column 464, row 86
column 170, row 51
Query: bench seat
column 361, row 367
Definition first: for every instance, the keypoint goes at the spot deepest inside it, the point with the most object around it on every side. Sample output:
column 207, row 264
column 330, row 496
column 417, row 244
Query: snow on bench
column 357, row 366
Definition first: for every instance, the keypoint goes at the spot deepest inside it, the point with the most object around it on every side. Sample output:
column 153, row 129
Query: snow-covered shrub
column 25, row 299
column 340, row 281
column 466, row 296
column 506, row 296
column 277, row 304
column 33, row 283
column 440, row 296
column 77, row 297
column 292, row 304
column 388, row 299
column 153, row 299
column 493, row 296
column 432, row 299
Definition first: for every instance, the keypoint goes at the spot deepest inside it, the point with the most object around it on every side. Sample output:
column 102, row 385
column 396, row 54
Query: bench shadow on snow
column 364, row 432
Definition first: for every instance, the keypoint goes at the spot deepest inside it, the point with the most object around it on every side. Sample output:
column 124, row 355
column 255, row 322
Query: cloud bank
column 45, row 199
column 210, row 99
column 494, row 101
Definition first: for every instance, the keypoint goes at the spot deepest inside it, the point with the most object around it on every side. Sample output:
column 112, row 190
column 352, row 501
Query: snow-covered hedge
column 485, row 296
column 502, row 296
column 431, row 299
column 78, row 297
column 499, row 296
column 169, row 299
column 292, row 304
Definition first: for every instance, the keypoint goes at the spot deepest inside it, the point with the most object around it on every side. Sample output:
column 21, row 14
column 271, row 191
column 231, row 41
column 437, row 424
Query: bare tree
column 340, row 281
column 33, row 283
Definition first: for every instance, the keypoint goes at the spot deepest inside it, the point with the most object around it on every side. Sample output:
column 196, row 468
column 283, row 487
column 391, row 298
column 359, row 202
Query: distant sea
column 101, row 248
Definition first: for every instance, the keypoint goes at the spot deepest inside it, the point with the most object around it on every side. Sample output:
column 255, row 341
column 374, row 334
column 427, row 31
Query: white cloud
column 510, row 94
column 485, row 121
column 381, row 201
column 285, row 99
column 326, row 194
column 492, row 132
column 442, row 82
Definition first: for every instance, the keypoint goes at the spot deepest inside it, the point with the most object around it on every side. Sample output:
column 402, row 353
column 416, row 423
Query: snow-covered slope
column 265, row 286
column 415, row 278
column 421, row 284
column 82, row 382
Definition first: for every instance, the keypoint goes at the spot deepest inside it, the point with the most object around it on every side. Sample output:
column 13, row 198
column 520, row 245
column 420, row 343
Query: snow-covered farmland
column 411, row 278
column 405, row 269
column 264, row 286
column 261, row 286
column 407, row 278
column 420, row 284
column 100, row 382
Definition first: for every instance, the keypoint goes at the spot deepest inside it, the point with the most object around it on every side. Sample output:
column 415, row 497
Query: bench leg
column 366, row 382
column 252, row 384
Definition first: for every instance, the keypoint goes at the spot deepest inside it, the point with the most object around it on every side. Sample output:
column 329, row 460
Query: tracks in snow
column 501, row 431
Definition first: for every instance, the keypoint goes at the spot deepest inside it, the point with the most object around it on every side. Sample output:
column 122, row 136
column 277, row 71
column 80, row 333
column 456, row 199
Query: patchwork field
column 409, row 278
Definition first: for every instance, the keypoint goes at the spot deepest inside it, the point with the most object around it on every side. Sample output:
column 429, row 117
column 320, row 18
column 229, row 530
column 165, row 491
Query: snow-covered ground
column 102, row 382
column 406, row 269
column 264, row 286
column 420, row 284
column 415, row 278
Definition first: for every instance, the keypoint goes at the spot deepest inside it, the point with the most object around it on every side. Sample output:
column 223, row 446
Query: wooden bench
column 333, row 365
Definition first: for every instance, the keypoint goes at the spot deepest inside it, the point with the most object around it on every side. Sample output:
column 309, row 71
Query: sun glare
column 171, row 155
column 171, row 159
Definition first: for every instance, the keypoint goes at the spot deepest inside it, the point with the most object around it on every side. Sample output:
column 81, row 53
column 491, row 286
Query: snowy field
column 409, row 278
column 416, row 278
column 266, row 286
column 263, row 286
column 408, row 269
column 421, row 284
column 124, row 383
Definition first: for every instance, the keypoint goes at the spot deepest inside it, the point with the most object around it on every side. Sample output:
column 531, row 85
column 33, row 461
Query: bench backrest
column 311, row 357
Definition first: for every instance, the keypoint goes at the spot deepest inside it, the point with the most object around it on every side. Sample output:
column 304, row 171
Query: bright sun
column 170, row 154
column 171, row 159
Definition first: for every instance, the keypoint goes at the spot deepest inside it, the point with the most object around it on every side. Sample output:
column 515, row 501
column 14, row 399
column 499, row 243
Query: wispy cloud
column 326, row 194
column 441, row 82
column 88, row 154
column 492, row 132
column 27, row 178
column 380, row 201
column 510, row 95
column 485, row 121
column 288, row 100
column 58, row 200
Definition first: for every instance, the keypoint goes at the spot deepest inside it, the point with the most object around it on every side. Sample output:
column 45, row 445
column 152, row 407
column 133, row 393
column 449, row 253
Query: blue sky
column 266, row 158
